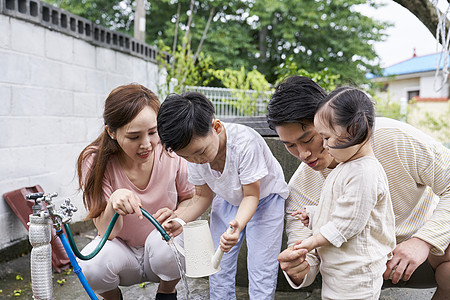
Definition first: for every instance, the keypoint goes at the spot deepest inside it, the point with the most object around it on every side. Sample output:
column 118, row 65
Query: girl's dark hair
column 182, row 117
column 295, row 100
column 351, row 109
column 123, row 104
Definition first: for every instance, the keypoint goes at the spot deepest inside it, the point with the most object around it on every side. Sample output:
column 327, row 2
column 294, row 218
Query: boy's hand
column 230, row 237
column 173, row 228
column 302, row 215
column 164, row 214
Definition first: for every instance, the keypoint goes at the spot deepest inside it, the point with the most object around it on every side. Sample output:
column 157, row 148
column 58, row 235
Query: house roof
column 415, row 64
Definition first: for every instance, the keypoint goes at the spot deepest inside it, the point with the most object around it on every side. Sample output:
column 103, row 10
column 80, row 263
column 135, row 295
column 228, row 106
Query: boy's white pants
column 119, row 264
column 263, row 236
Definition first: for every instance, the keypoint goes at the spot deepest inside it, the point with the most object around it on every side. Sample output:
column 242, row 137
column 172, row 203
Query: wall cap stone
column 54, row 18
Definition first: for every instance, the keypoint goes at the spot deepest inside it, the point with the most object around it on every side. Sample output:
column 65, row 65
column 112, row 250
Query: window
column 412, row 94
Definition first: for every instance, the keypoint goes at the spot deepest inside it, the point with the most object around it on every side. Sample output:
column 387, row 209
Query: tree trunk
column 262, row 34
column 139, row 21
column 175, row 36
column 426, row 13
column 199, row 48
column 188, row 26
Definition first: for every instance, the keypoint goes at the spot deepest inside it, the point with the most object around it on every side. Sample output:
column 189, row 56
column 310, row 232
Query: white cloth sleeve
column 194, row 174
column 252, row 165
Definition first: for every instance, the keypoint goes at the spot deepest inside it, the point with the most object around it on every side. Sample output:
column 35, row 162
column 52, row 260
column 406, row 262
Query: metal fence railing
column 234, row 103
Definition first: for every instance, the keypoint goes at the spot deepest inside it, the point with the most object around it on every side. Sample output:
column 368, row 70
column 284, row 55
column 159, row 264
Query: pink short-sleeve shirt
column 167, row 186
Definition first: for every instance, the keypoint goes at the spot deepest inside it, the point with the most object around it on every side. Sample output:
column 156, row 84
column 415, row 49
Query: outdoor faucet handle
column 68, row 207
column 37, row 197
column 48, row 197
column 34, row 196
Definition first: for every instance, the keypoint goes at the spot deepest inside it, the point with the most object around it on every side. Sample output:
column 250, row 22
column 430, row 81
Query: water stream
column 180, row 267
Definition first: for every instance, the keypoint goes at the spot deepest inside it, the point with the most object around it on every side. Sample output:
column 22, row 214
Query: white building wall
column 52, row 91
column 431, row 87
column 399, row 88
column 426, row 83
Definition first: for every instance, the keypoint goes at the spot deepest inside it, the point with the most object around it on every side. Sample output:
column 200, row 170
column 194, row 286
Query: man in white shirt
column 418, row 171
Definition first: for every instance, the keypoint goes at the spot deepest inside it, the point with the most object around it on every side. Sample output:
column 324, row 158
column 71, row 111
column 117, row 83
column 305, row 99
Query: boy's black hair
column 296, row 100
column 351, row 109
column 181, row 117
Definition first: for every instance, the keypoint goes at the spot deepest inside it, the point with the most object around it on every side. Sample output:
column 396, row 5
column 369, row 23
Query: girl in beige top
column 353, row 225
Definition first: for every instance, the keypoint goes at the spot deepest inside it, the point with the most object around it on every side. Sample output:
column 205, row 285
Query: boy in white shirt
column 234, row 162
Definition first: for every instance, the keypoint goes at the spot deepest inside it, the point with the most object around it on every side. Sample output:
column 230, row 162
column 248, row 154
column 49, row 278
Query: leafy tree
column 318, row 35
column 324, row 78
column 113, row 14
column 182, row 68
column 256, row 34
column 240, row 82
column 227, row 39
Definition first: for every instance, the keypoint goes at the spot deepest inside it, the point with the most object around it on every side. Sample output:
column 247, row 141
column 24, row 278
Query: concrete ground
column 15, row 283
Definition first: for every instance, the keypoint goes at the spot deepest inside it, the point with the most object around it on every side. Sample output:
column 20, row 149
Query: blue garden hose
column 76, row 267
column 70, row 245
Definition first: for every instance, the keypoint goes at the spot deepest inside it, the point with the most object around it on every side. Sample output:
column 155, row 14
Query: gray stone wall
column 53, row 83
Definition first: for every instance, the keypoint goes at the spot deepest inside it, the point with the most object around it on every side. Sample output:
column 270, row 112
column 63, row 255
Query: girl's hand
column 308, row 244
column 302, row 215
column 228, row 240
column 173, row 228
column 126, row 202
column 313, row 242
column 164, row 214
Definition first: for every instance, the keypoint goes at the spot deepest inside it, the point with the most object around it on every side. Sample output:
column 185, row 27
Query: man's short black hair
column 296, row 100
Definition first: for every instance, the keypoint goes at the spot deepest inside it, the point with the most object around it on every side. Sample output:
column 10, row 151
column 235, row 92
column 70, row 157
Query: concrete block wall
column 53, row 84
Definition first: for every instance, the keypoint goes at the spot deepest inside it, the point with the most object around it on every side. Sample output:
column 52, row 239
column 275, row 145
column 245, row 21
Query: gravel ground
column 15, row 283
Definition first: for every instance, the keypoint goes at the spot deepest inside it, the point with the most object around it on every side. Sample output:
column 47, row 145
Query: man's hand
column 408, row 255
column 294, row 263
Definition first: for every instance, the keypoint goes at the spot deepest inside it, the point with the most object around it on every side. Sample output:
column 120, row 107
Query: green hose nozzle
column 156, row 224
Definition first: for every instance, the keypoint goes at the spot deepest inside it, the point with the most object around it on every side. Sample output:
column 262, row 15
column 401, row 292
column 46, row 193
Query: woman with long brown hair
column 124, row 169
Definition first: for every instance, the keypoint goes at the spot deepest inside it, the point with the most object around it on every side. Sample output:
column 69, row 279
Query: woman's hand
column 126, row 202
column 230, row 237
